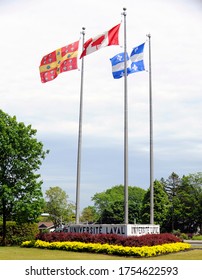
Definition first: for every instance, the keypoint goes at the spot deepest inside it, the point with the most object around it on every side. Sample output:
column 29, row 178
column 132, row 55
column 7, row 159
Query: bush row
column 132, row 241
column 144, row 251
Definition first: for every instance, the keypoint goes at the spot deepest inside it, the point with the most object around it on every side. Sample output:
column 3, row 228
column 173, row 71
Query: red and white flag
column 105, row 39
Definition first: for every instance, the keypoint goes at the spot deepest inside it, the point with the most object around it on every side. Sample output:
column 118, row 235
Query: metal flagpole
column 80, row 138
column 151, row 139
column 125, row 127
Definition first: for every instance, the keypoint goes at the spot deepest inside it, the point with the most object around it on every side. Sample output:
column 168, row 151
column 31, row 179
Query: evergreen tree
column 187, row 201
column 161, row 206
column 171, row 187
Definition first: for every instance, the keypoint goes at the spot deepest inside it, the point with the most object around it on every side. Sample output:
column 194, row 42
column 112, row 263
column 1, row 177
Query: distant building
column 48, row 226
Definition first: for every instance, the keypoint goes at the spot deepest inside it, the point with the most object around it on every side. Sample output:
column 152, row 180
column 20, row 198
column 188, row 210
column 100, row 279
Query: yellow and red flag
column 61, row 60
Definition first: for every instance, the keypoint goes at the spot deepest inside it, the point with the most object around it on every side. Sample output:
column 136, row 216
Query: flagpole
column 125, row 126
column 151, row 139
column 80, row 138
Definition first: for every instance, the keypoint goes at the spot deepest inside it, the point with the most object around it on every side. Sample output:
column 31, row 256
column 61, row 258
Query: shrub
column 184, row 236
column 137, row 241
column 176, row 232
column 16, row 233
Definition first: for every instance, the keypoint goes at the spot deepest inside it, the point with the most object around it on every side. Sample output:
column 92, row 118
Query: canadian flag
column 105, row 39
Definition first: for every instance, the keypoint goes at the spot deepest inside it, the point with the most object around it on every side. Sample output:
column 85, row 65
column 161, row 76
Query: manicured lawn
column 18, row 253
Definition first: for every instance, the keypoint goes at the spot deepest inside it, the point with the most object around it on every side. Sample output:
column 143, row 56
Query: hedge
column 114, row 239
column 17, row 233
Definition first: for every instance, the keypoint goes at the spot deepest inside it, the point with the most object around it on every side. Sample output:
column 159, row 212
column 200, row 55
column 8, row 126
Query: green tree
column 171, row 186
column 21, row 155
column 195, row 180
column 161, row 206
column 89, row 215
column 110, row 204
column 185, row 196
column 188, row 203
column 60, row 210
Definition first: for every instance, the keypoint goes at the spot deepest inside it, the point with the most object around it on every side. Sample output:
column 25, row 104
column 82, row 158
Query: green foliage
column 57, row 205
column 21, row 155
column 177, row 204
column 110, row 204
column 185, row 195
column 184, row 236
column 89, row 215
column 171, row 185
column 161, row 205
column 17, row 233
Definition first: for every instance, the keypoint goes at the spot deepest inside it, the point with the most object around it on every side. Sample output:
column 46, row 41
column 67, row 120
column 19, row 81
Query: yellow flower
column 144, row 251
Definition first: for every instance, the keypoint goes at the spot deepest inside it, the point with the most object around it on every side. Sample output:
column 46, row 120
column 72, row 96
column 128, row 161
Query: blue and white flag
column 136, row 58
column 118, row 65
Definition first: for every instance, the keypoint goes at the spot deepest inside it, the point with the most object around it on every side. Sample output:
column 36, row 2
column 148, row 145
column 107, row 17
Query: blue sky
column 32, row 29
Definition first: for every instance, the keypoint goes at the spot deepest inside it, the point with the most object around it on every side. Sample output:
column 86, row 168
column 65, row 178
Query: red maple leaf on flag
column 98, row 41
column 107, row 38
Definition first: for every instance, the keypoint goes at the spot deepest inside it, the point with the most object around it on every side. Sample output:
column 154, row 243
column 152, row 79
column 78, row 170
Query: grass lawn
column 18, row 253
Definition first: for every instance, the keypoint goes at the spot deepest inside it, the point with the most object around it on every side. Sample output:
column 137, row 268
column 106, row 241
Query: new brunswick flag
column 61, row 60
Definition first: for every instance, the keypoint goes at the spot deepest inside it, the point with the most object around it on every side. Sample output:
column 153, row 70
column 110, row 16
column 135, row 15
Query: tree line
column 177, row 204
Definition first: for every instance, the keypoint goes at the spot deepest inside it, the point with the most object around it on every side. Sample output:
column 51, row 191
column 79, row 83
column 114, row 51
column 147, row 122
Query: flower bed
column 144, row 251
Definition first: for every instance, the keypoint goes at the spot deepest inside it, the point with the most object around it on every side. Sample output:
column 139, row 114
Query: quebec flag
column 135, row 62
column 118, row 65
column 136, row 57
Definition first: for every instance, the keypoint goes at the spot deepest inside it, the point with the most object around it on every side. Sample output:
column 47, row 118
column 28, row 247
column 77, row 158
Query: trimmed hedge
column 16, row 234
column 137, row 241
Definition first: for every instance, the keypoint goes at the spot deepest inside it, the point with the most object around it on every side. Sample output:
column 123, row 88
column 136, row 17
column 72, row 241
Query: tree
column 171, row 186
column 195, row 180
column 188, row 203
column 185, row 196
column 58, row 207
column 21, row 155
column 161, row 205
column 89, row 215
column 110, row 204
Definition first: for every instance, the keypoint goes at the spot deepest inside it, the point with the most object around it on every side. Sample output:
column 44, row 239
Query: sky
column 31, row 29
